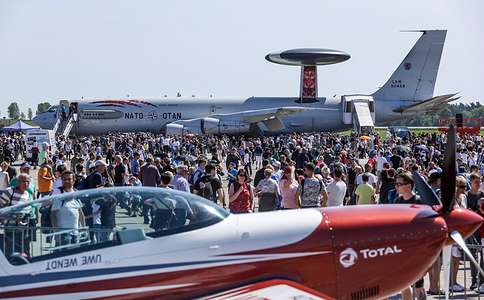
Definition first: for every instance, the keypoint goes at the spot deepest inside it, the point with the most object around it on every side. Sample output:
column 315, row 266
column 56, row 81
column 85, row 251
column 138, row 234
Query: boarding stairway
column 64, row 126
column 359, row 112
column 70, row 123
column 362, row 121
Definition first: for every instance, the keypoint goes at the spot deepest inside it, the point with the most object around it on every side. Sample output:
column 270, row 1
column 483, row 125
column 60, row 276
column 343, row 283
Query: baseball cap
column 434, row 176
column 100, row 163
column 276, row 164
column 45, row 144
column 92, row 165
column 25, row 165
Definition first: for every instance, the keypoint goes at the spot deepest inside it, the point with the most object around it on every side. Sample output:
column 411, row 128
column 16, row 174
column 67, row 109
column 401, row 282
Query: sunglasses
column 462, row 186
column 401, row 183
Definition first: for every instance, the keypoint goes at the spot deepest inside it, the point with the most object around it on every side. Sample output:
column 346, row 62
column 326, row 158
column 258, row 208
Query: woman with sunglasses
column 240, row 194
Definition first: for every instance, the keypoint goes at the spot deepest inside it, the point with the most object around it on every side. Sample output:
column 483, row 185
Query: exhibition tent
column 19, row 126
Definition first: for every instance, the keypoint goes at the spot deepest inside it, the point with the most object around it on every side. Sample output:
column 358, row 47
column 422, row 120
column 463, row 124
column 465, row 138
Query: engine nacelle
column 179, row 129
column 206, row 126
column 216, row 126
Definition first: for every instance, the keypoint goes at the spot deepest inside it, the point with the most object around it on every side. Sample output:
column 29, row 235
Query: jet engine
column 181, row 129
column 207, row 126
column 216, row 126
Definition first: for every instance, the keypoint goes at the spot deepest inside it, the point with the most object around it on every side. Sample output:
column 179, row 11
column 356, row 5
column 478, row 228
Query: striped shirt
column 7, row 199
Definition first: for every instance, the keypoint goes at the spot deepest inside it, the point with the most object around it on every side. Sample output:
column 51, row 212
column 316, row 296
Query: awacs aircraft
column 202, row 251
column 407, row 93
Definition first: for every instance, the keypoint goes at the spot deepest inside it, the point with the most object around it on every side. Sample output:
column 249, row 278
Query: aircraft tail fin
column 415, row 76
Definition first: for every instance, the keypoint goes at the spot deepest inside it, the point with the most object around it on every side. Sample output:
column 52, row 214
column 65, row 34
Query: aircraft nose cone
column 37, row 121
column 463, row 220
column 43, row 121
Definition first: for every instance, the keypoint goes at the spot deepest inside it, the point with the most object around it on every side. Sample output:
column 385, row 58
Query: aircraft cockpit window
column 72, row 223
column 51, row 109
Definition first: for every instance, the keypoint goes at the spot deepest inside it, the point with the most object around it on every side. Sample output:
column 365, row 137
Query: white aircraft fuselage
column 407, row 93
column 153, row 118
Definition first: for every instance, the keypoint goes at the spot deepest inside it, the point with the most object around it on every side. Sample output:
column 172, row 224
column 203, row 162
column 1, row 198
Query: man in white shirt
column 67, row 211
column 372, row 181
column 180, row 181
column 337, row 189
column 380, row 160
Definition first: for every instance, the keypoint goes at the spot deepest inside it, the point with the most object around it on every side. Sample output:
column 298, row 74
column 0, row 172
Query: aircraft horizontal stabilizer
column 431, row 105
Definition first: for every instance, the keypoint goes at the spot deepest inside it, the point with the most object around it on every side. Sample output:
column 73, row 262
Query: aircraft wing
column 260, row 115
column 271, row 289
column 431, row 105
column 269, row 116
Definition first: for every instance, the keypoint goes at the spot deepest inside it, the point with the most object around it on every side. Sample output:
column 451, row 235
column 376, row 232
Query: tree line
column 468, row 110
column 15, row 113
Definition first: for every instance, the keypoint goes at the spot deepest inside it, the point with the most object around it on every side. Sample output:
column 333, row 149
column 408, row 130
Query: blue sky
column 53, row 50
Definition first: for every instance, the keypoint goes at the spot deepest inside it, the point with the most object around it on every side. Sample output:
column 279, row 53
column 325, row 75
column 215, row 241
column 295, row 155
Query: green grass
column 383, row 132
column 8, row 122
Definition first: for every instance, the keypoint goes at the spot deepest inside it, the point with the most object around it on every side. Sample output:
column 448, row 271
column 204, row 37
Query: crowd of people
column 261, row 174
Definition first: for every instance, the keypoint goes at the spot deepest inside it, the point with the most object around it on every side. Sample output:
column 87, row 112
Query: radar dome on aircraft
column 308, row 57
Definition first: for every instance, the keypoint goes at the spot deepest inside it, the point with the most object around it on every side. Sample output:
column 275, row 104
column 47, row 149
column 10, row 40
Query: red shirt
column 242, row 203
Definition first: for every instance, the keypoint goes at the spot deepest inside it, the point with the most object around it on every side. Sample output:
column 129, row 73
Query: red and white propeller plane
column 358, row 252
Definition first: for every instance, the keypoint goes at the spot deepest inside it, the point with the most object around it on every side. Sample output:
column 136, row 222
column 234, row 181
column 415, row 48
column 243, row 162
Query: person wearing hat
column 96, row 180
column 277, row 171
column 45, row 178
column 44, row 153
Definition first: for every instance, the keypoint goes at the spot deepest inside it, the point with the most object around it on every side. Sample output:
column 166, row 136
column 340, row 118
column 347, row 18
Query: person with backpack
column 209, row 186
column 95, row 179
column 79, row 176
column 269, row 192
column 311, row 190
column 234, row 157
column 202, row 163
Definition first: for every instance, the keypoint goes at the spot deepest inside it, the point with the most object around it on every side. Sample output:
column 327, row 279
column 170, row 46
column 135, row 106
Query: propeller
column 448, row 177
column 446, row 255
column 453, row 220
column 447, row 259
column 426, row 193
